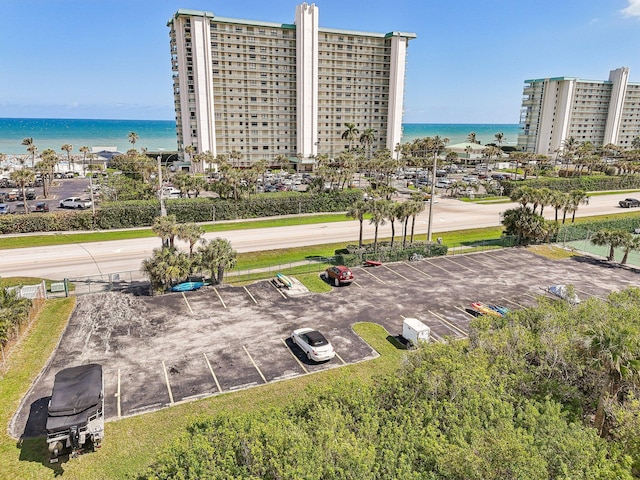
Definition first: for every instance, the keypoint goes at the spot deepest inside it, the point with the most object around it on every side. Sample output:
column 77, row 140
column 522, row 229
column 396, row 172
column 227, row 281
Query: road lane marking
column 400, row 275
column 215, row 379
column 254, row 363
column 417, row 269
column 221, row 301
column 293, row 355
column 187, row 302
column 369, row 273
column 464, row 334
column 166, row 377
column 118, row 408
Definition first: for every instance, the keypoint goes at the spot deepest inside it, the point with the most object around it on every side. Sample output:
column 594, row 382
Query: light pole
column 163, row 210
column 433, row 192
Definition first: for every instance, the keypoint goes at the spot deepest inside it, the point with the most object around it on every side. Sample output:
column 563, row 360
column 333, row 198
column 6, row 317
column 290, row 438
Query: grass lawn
column 551, row 251
column 131, row 444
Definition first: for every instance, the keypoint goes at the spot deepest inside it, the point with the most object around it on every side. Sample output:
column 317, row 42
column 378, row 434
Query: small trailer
column 414, row 331
column 75, row 417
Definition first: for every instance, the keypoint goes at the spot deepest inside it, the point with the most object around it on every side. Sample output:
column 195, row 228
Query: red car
column 339, row 274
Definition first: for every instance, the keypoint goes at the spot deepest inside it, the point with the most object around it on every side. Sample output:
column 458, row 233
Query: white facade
column 265, row 89
column 600, row 112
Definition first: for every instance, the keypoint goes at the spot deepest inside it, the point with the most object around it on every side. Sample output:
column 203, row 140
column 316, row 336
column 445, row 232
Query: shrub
column 590, row 183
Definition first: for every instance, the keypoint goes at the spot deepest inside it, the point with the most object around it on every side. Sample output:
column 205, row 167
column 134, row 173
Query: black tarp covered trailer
column 76, row 410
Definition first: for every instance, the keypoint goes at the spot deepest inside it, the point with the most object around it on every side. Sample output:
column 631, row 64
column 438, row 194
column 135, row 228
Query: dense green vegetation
column 543, row 393
column 139, row 213
column 587, row 182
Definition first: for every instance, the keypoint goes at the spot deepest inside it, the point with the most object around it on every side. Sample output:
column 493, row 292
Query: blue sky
column 110, row 58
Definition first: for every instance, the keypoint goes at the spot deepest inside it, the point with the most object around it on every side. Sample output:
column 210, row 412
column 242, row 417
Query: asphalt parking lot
column 159, row 351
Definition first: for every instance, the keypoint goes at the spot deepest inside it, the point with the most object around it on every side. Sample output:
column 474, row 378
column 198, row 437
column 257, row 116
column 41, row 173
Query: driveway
column 159, row 351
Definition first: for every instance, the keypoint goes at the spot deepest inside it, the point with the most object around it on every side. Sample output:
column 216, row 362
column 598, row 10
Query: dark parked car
column 629, row 202
column 41, row 207
column 339, row 275
column 4, row 209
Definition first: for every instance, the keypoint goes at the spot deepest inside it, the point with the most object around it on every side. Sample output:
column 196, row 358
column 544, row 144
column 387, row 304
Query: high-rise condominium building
column 268, row 89
column 597, row 111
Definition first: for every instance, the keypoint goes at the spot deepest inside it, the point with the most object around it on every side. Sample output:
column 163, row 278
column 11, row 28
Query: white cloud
column 633, row 9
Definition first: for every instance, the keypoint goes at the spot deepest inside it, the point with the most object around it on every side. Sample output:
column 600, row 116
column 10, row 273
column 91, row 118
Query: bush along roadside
column 589, row 183
column 353, row 255
column 142, row 213
column 582, row 230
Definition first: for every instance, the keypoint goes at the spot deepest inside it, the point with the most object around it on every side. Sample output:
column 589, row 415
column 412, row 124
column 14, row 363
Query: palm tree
column 191, row 233
column 612, row 239
column 578, row 197
column 166, row 228
column 378, row 210
column 468, row 149
column 545, row 197
column 367, row 138
column 614, row 349
column 557, row 201
column 499, row 138
column 472, row 138
column 216, row 256
column 191, row 150
column 358, row 210
column 23, row 177
column 165, row 267
column 393, row 214
column 350, row 133
column 416, row 207
column 31, row 148
column 84, row 150
column 67, row 148
column 133, row 138
column 635, row 143
column 630, row 243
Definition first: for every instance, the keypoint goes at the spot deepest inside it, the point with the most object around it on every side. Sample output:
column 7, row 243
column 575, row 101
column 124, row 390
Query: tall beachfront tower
column 596, row 111
column 268, row 89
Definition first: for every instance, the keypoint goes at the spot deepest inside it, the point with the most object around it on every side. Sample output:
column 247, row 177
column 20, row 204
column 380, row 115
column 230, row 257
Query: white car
column 313, row 344
column 75, row 202
column 470, row 179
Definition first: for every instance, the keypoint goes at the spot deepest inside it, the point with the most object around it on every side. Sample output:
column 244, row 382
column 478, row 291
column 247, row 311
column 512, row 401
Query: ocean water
column 157, row 135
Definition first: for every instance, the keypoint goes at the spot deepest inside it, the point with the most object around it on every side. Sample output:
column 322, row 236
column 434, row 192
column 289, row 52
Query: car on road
column 314, row 344
column 41, row 207
column 629, row 203
column 444, row 183
column 470, row 179
column 75, row 202
column 339, row 274
column 4, row 209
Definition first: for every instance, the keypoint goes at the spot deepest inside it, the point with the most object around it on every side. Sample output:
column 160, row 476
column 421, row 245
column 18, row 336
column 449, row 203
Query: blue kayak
column 187, row 286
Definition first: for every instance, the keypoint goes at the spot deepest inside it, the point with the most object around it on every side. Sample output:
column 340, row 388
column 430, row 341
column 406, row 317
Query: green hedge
column 590, row 183
column 582, row 230
column 131, row 214
column 353, row 255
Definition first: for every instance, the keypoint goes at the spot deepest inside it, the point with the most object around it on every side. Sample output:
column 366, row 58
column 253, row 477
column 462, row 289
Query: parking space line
column 187, row 302
column 514, row 303
column 438, row 266
column 118, row 406
column 496, row 258
column 369, row 273
column 464, row 311
column 462, row 332
column 218, row 294
column 294, row 357
column 215, row 379
column 166, row 377
column 459, row 264
column 356, row 283
column 254, row 363
column 417, row 269
column 343, row 362
column 279, row 291
column 438, row 337
column 471, row 257
column 252, row 297
column 529, row 295
column 591, row 295
column 393, row 271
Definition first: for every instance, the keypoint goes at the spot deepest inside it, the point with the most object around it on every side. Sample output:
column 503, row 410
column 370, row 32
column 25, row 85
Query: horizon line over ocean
column 159, row 135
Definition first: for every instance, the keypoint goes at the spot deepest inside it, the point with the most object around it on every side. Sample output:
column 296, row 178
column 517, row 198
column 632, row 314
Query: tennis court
column 588, row 247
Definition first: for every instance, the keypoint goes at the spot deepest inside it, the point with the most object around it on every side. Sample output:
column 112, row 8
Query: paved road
column 72, row 261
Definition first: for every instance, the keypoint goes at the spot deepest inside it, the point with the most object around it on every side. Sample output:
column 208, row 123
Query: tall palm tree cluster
column 617, row 239
column 169, row 265
column 587, row 157
column 543, row 197
column 380, row 210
